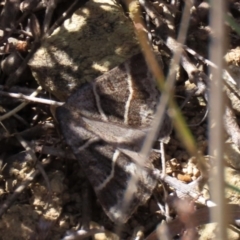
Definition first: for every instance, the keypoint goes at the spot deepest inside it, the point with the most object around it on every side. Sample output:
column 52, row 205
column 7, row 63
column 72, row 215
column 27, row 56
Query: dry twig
column 21, row 106
column 31, row 98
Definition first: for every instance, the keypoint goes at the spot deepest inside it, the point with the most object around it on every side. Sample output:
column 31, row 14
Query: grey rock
column 96, row 38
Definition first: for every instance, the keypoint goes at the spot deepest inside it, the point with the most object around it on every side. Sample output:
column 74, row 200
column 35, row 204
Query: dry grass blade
column 218, row 214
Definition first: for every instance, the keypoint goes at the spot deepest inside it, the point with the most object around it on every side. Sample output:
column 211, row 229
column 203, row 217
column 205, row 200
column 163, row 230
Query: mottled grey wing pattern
column 112, row 112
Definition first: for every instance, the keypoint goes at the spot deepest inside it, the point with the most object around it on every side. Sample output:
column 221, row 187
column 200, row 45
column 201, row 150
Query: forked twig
column 21, row 106
column 38, row 165
column 186, row 189
column 31, row 98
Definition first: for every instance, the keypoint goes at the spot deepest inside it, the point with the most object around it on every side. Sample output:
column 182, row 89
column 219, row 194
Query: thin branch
column 13, row 78
column 48, row 14
column 31, row 98
column 226, row 74
column 64, row 16
column 186, row 190
column 38, row 165
column 20, row 107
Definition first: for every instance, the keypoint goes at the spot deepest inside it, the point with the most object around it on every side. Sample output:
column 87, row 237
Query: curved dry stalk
column 216, row 135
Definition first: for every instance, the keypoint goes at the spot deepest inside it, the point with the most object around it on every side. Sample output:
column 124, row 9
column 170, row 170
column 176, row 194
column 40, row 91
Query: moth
column 105, row 123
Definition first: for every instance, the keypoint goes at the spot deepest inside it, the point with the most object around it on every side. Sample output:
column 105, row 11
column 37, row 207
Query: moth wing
column 93, row 122
column 107, row 168
column 116, row 134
